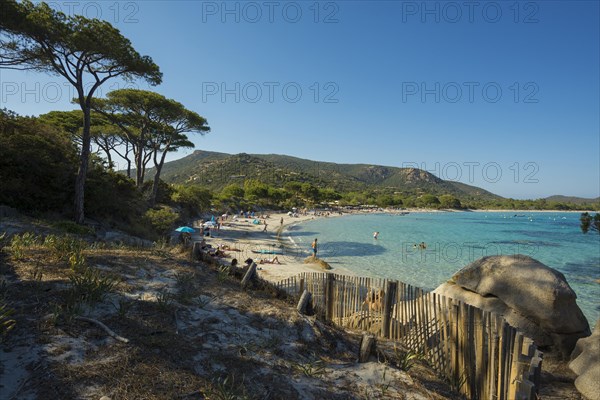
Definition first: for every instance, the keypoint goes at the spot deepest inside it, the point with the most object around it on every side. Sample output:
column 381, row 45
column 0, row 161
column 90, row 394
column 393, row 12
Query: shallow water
column 454, row 240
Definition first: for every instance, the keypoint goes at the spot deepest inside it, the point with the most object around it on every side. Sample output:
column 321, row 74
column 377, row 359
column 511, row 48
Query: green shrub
column 112, row 196
column 73, row 228
column 162, row 219
column 38, row 165
column 192, row 198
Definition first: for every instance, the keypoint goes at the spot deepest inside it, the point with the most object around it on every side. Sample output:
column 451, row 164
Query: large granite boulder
column 585, row 362
column 532, row 297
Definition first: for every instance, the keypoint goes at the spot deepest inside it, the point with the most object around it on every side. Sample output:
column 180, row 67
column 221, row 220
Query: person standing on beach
column 265, row 228
column 314, row 248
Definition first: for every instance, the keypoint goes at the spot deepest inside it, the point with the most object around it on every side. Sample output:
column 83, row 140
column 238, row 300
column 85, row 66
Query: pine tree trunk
column 139, row 177
column 156, row 182
column 155, row 186
column 83, row 168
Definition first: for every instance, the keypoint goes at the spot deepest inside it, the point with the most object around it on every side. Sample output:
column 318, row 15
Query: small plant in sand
column 164, row 299
column 367, row 393
column 406, row 360
column 64, row 247
column 227, row 389
column 223, row 273
column 77, row 261
column 456, row 382
column 6, row 322
column 311, row 369
column 123, row 307
column 68, row 311
column 19, row 243
column 161, row 248
column 37, row 273
column 383, row 386
column 90, row 286
column 203, row 301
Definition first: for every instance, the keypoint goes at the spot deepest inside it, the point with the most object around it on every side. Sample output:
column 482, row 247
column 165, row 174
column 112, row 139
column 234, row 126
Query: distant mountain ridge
column 572, row 199
column 216, row 170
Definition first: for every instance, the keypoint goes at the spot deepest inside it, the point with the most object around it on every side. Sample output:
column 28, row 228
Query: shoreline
column 246, row 238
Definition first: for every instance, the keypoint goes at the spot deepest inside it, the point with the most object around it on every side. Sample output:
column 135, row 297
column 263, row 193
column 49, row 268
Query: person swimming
column 375, row 235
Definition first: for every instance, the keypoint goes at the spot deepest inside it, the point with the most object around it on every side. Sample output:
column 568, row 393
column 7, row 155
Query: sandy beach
column 244, row 239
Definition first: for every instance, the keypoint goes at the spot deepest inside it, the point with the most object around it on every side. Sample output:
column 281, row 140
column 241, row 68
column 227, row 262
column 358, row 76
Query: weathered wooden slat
column 304, row 301
column 249, row 275
column 388, row 302
column 478, row 351
column 367, row 343
column 516, row 368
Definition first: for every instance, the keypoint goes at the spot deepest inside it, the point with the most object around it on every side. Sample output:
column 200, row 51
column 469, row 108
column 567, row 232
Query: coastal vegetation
column 590, row 223
column 85, row 52
column 39, row 158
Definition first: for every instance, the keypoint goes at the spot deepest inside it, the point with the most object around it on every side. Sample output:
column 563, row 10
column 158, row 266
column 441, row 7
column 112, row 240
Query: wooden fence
column 476, row 351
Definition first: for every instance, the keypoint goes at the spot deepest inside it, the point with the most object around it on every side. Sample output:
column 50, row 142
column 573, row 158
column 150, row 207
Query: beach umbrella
column 186, row 229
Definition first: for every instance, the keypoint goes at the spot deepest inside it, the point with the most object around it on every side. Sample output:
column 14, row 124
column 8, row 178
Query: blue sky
column 501, row 95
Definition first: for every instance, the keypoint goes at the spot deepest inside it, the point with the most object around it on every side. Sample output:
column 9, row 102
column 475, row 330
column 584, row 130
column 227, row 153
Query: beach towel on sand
column 267, row 251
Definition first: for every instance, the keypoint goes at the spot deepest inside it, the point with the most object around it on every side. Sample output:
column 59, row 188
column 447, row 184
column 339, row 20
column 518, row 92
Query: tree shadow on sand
column 300, row 233
column 347, row 249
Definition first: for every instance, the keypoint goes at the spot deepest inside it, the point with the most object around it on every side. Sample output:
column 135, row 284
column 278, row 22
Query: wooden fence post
column 515, row 373
column 480, row 362
column 196, row 251
column 535, row 369
column 303, row 303
column 524, row 386
column 249, row 274
column 388, row 303
column 329, row 297
column 365, row 347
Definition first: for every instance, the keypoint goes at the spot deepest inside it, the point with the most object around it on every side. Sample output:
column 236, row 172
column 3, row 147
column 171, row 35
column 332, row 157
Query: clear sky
column 502, row 95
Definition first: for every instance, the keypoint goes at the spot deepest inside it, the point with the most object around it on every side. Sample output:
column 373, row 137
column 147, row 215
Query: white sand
column 243, row 235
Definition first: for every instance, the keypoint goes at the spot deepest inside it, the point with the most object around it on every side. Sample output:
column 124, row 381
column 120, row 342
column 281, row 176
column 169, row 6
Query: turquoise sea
column 453, row 240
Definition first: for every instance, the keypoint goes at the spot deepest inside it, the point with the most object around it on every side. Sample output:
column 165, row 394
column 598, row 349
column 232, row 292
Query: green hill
column 572, row 199
column 216, row 170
